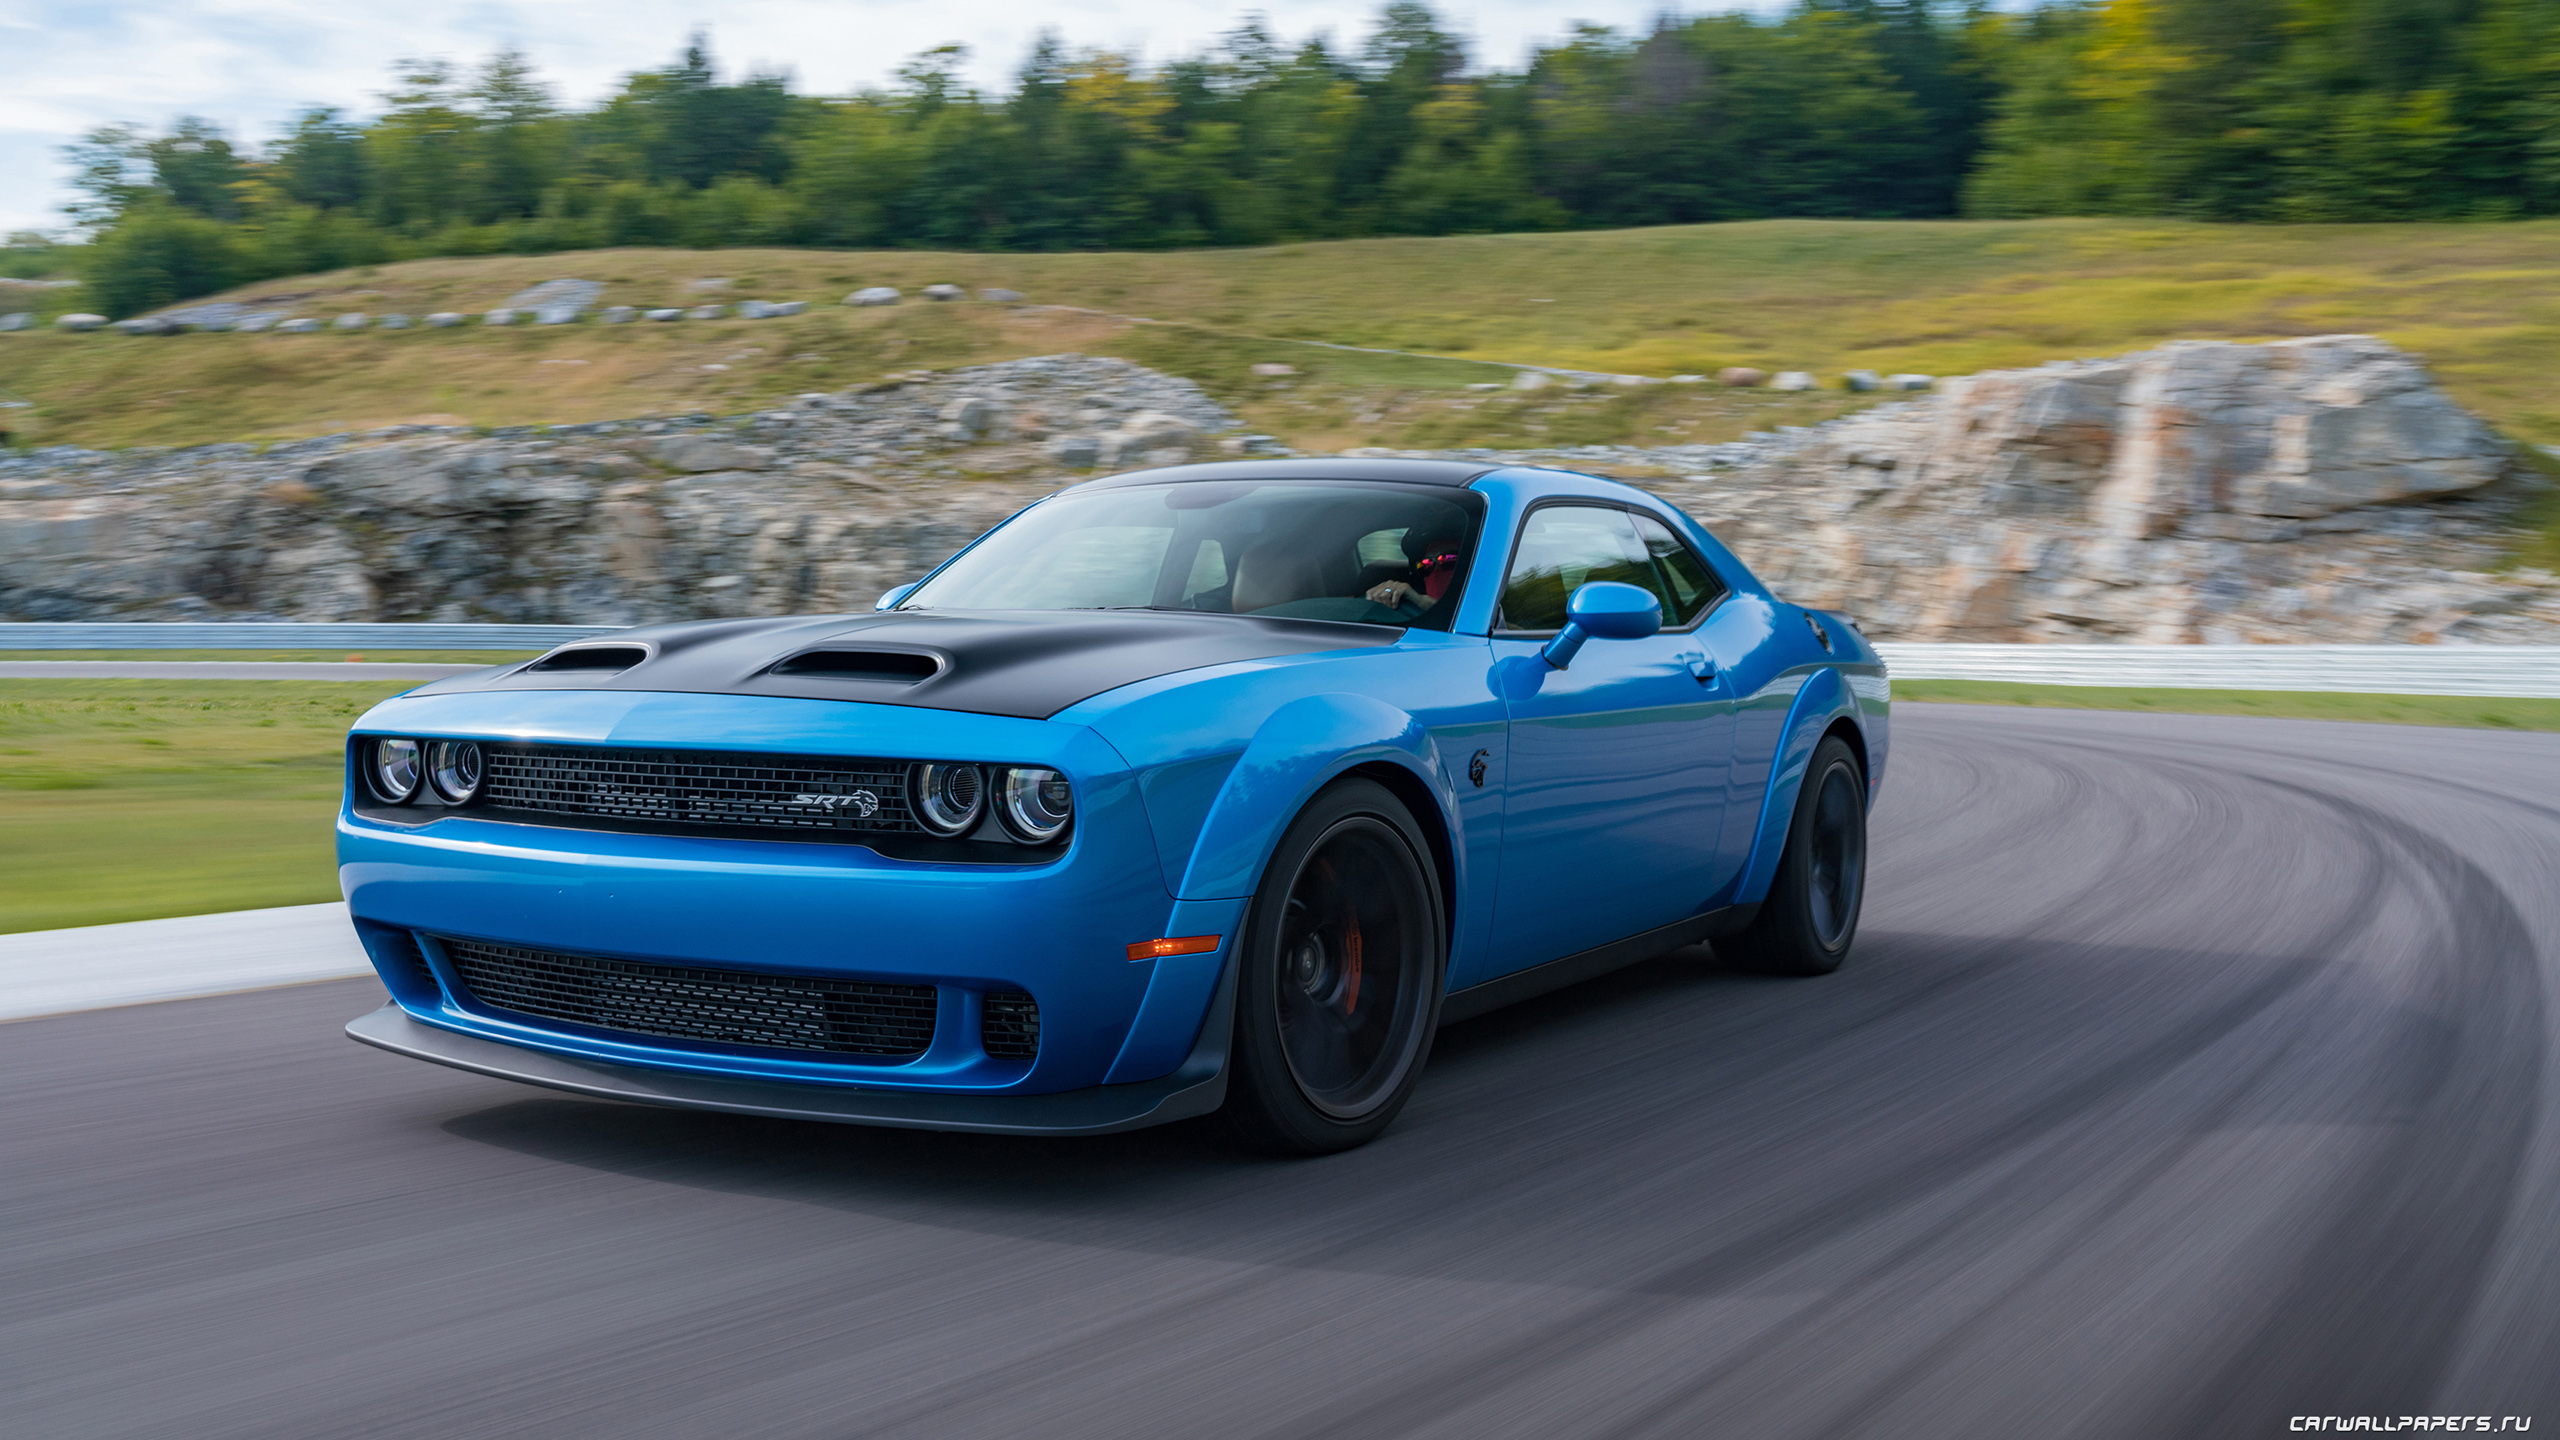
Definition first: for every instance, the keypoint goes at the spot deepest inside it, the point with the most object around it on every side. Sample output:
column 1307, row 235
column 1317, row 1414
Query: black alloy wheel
column 1341, row 971
column 1808, row 922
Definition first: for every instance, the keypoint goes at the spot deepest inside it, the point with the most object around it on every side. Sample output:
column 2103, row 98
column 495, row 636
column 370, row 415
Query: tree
column 420, row 151
column 194, row 168
column 321, row 160
column 516, row 160
column 157, row 254
column 110, row 171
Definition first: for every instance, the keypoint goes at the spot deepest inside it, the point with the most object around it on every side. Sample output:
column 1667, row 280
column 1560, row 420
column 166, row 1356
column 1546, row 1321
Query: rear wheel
column 1340, row 979
column 1806, row 925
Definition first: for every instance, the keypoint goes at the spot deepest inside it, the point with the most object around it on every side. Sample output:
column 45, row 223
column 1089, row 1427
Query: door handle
column 1701, row 666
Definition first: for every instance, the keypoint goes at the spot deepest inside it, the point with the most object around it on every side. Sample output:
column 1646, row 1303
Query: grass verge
column 2468, row 711
column 2480, row 301
column 135, row 799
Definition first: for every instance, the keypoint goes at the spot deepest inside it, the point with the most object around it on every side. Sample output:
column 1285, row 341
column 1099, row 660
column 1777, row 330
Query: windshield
column 1374, row 554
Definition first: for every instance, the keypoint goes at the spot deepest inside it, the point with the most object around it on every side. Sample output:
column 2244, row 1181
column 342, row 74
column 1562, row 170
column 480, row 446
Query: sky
column 69, row 66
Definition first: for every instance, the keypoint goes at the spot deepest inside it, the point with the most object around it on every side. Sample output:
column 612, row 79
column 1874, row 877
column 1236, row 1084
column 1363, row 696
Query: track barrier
column 2529, row 671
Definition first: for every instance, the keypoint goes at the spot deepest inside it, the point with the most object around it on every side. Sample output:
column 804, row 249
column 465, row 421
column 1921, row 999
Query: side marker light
column 1187, row 945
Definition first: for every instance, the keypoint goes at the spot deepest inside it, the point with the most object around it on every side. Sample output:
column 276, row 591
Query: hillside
column 2480, row 302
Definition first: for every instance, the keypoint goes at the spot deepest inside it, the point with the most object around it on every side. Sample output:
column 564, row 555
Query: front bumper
column 1058, row 929
column 1196, row 1087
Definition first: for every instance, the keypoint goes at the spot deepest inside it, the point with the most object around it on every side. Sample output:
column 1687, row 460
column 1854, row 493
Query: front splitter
column 1196, row 1087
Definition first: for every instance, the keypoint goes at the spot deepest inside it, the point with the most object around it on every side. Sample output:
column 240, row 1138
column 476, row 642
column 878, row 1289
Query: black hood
column 1017, row 662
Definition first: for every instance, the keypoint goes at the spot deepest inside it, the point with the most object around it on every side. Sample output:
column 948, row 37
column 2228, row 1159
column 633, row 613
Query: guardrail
column 2509, row 670
column 2531, row 671
column 351, row 637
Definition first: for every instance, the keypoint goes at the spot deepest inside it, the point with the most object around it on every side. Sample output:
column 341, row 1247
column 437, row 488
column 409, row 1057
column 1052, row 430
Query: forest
column 2231, row 110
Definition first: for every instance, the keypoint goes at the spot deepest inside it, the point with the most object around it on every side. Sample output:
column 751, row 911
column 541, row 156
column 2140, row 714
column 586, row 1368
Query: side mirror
column 889, row 598
column 1603, row 610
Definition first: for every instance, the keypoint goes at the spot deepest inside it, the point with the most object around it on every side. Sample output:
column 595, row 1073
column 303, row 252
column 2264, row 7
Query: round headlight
column 1036, row 804
column 949, row 798
column 392, row 768
column 453, row 767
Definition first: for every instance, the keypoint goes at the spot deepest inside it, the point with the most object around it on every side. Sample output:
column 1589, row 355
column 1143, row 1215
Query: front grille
column 733, row 1007
column 811, row 794
column 1010, row 1028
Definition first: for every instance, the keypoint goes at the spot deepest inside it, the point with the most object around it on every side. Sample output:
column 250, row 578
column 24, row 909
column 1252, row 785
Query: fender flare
column 1824, row 698
column 1300, row 748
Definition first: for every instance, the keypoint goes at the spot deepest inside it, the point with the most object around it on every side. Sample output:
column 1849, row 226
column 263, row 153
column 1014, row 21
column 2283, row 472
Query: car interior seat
column 1276, row 572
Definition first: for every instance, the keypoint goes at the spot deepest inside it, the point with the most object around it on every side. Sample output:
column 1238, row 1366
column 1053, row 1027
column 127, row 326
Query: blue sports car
column 1211, row 788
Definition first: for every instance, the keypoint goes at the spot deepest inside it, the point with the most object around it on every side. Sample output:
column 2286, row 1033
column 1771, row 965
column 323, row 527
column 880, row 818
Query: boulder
column 1741, row 377
column 350, row 322
column 698, row 454
column 872, row 295
column 392, row 322
column 618, row 315
column 970, row 416
column 1909, row 382
column 503, row 315
column 1150, row 430
column 20, row 321
column 1794, row 380
column 146, row 325
column 576, row 293
column 753, row 310
column 1002, row 297
column 944, row 292
column 78, row 322
column 666, row 314
column 1861, row 381
column 1076, row 452
column 1272, row 370
column 298, row 325
column 1532, row 380
column 706, row 312
column 445, row 319
column 557, row 314
column 254, row 324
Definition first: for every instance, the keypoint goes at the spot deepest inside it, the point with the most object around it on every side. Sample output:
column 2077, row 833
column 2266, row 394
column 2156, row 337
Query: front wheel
column 1342, row 964
column 1811, row 915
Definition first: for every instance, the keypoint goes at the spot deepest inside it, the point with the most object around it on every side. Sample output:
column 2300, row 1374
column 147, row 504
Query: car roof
column 1452, row 473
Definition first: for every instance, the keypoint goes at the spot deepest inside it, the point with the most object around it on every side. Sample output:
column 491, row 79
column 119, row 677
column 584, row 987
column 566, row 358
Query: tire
column 1343, row 959
column 1810, row 919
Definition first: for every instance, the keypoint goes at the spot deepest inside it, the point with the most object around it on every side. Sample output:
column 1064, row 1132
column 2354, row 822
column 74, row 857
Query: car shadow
column 1677, row 1106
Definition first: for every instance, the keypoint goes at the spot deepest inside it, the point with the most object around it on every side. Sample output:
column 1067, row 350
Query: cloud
column 250, row 65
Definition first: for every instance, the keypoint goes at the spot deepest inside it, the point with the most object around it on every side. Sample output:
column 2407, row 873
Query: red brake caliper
column 1350, row 961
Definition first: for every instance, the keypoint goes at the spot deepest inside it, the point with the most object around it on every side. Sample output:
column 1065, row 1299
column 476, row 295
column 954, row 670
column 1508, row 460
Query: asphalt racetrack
column 2191, row 1074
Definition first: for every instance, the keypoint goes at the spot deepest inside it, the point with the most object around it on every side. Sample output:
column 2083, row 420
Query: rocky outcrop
column 2313, row 490
column 2318, row 489
column 818, row 506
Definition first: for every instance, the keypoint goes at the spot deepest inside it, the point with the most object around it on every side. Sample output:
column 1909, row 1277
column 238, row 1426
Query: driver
column 1432, row 550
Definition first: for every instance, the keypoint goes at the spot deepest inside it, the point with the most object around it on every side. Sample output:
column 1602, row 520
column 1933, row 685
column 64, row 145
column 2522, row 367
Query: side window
column 1562, row 549
column 1687, row 586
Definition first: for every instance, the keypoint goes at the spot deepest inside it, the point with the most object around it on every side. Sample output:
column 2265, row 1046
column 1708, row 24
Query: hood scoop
column 592, row 659
column 895, row 667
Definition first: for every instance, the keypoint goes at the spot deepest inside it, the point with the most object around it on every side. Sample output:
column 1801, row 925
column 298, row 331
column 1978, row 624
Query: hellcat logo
column 860, row 802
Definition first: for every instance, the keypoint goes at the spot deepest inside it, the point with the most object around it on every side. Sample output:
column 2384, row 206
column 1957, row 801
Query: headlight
column 949, row 798
column 1035, row 804
column 453, row 767
column 391, row 768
